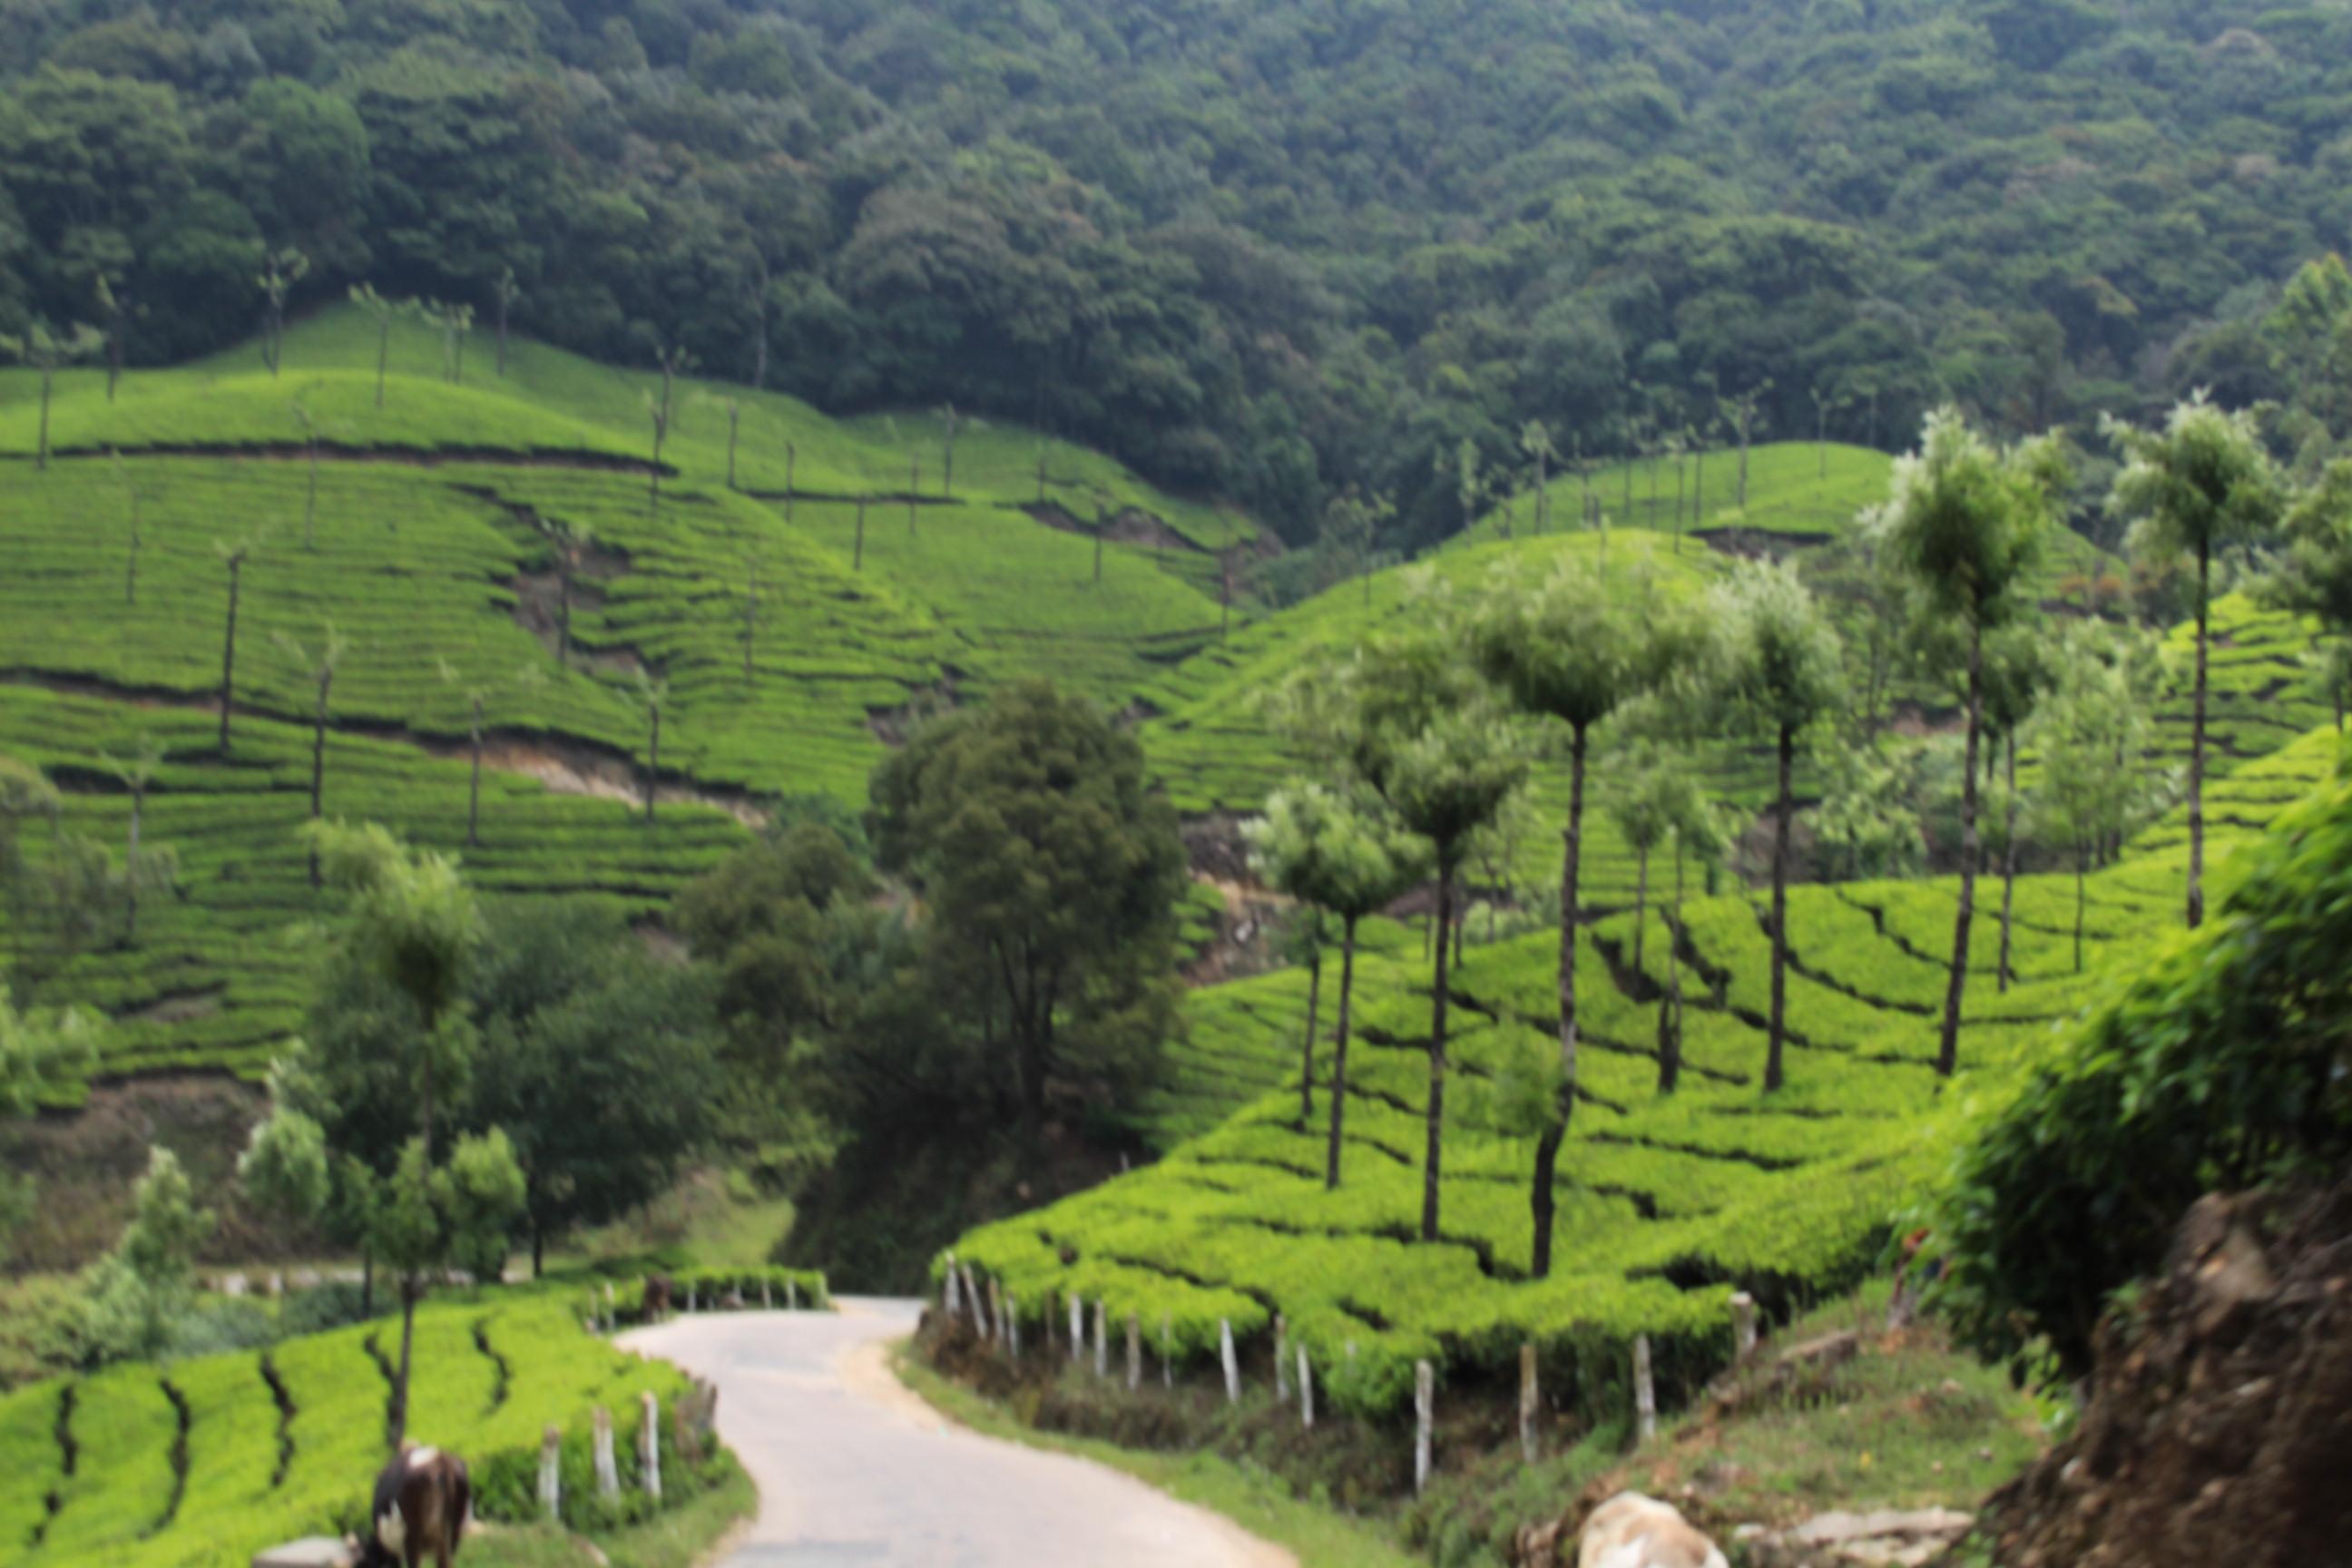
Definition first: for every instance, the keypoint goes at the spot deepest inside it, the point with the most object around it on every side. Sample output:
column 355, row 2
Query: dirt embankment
column 2215, row 1429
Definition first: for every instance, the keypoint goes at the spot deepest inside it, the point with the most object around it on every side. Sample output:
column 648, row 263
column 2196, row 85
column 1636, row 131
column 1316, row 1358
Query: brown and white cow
column 423, row 1503
column 1631, row 1530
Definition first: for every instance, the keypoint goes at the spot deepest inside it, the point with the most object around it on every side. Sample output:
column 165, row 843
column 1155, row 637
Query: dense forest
column 1271, row 253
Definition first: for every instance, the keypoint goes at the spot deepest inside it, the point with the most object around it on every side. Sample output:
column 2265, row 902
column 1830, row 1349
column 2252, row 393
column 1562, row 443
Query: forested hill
column 1268, row 250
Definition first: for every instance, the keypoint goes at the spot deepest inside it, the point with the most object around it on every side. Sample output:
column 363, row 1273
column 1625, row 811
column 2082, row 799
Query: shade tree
column 1776, row 668
column 47, row 350
column 2314, row 576
column 1347, row 856
column 1573, row 649
column 2198, row 483
column 1965, row 520
column 2090, row 723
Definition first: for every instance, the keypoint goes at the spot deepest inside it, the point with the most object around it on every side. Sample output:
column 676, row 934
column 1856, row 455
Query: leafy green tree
column 1700, row 828
column 1779, row 669
column 47, row 350
column 2314, row 577
column 132, row 1294
column 1966, row 522
column 671, row 361
column 2201, row 482
column 1418, row 728
column 456, row 323
column 2017, row 675
column 412, row 925
column 1742, row 415
column 281, row 271
column 1574, row 649
column 1048, row 871
column 1346, row 858
column 1642, row 803
column 595, row 1058
column 1867, row 824
column 506, row 292
column 1537, row 443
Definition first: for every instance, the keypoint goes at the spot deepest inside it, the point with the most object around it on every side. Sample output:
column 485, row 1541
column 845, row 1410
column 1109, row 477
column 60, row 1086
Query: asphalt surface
column 854, row 1470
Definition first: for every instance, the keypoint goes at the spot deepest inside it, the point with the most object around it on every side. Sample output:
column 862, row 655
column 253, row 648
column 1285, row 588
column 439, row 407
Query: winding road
column 855, row 1470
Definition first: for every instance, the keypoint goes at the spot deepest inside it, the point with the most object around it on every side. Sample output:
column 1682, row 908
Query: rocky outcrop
column 2214, row 1429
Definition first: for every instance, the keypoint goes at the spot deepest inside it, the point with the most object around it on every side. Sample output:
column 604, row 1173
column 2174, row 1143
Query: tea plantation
column 201, row 1464
column 1668, row 1203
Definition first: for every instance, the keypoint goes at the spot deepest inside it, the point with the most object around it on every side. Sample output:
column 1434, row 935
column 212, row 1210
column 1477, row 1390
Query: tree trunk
column 2196, row 746
column 367, row 1282
column 1541, row 1197
column 1432, row 1163
column 1339, row 1051
column 311, row 501
column 473, row 784
column 130, row 868
column 734, row 420
column 563, row 604
column 130, row 566
column 2082, row 869
column 538, row 1253
column 2008, row 864
column 382, row 356
column 1776, row 1041
column 750, row 617
column 914, row 492
column 114, row 354
column 408, row 1294
column 653, row 760
column 1640, row 906
column 318, row 766
column 1670, row 1008
column 505, row 302
column 1743, row 468
column 791, row 466
column 228, row 654
column 1306, row 1048
column 41, row 449
column 858, row 551
column 1948, row 1057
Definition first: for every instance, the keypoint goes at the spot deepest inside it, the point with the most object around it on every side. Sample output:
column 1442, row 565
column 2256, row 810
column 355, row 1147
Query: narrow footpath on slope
column 854, row 1469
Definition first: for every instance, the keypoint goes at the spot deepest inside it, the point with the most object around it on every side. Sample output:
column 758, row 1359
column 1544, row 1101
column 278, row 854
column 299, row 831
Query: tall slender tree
column 1349, row 858
column 1740, row 414
column 2200, row 483
column 143, row 867
column 308, row 424
column 1416, row 726
column 384, row 312
column 232, row 557
column 282, row 270
column 653, row 695
column 1965, row 521
column 1777, row 669
column 2314, row 576
column 318, row 664
column 506, row 290
column 1570, row 649
column 49, row 350
column 2091, row 715
column 123, row 476
column 2017, row 675
column 1535, row 442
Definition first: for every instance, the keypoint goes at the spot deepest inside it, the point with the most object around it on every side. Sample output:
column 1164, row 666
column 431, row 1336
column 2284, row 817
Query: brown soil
column 1246, row 934
column 1132, row 526
column 894, row 725
column 569, row 766
column 2214, row 1429
column 86, row 1163
column 1757, row 544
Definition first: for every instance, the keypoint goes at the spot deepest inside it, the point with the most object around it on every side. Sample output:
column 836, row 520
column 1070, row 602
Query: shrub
column 2224, row 1063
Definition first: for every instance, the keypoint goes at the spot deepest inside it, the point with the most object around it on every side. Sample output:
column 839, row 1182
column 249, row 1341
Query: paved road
column 854, row 1470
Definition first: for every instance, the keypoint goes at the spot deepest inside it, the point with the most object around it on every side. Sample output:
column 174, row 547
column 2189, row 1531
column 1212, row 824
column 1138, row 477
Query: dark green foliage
column 1049, row 875
column 1636, row 215
column 2224, row 1063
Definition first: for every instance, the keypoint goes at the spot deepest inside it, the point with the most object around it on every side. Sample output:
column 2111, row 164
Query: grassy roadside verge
column 1257, row 1501
column 683, row 1538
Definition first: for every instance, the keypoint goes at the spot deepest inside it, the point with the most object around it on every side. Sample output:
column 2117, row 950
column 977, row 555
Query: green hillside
column 203, row 1463
column 1667, row 1205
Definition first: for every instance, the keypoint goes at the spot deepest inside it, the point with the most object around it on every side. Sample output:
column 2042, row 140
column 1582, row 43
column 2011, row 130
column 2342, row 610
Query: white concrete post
column 1305, row 1392
column 791, row 1296
column 550, row 1473
column 1645, row 1392
column 1281, row 1360
column 692, row 1299
column 1102, row 1339
column 1077, row 1330
column 1424, row 1406
column 1528, row 1400
column 608, row 1469
column 649, row 1446
column 1226, row 1354
column 1134, row 1354
column 1743, row 1325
